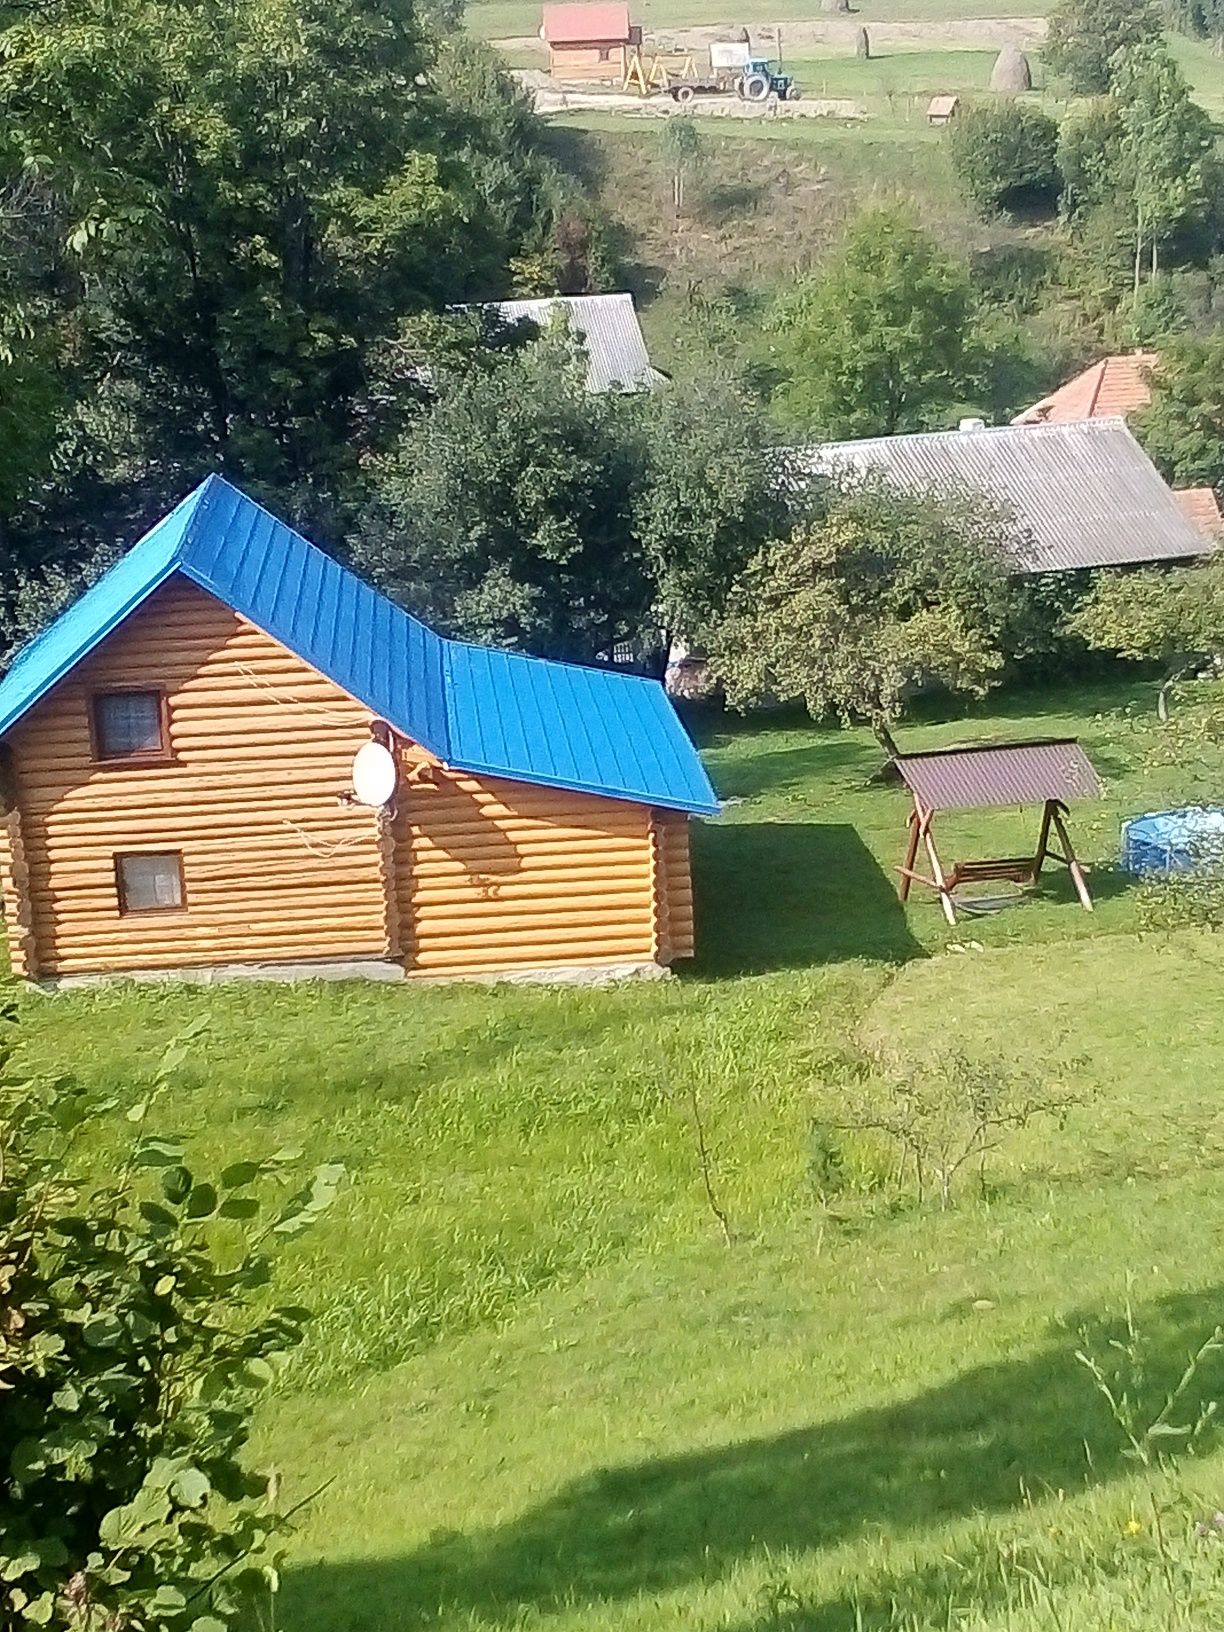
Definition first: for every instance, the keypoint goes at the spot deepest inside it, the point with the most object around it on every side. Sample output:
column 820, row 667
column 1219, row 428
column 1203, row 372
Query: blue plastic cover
column 489, row 712
column 1174, row 841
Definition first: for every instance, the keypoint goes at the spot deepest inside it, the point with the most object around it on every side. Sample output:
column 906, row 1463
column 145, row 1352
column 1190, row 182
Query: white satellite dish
column 374, row 774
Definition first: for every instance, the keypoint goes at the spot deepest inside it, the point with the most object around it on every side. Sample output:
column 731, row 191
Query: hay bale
column 862, row 44
column 1011, row 72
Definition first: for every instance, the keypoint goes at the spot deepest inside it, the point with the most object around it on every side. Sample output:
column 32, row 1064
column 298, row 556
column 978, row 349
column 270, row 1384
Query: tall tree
column 255, row 191
column 1084, row 35
column 1165, row 147
column 886, row 591
column 1005, row 155
column 876, row 343
column 505, row 513
column 1182, row 429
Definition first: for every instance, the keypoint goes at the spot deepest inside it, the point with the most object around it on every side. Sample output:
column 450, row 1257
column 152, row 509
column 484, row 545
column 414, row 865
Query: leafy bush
column 130, row 1359
column 1005, row 155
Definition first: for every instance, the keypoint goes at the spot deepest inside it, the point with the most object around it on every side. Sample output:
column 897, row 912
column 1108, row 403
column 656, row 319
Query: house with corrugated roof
column 607, row 328
column 1120, row 386
column 1080, row 494
column 231, row 755
column 589, row 41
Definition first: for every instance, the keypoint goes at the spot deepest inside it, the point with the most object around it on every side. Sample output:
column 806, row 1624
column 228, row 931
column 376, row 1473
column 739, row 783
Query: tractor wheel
column 683, row 94
column 754, row 88
column 792, row 94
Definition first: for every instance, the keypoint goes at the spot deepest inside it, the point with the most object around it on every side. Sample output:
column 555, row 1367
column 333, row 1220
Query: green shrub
column 1005, row 155
column 130, row 1359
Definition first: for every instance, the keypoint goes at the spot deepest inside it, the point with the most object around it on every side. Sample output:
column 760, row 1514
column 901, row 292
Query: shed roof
column 1115, row 385
column 593, row 24
column 1082, row 494
column 942, row 107
column 1200, row 505
column 488, row 712
column 1001, row 773
column 607, row 326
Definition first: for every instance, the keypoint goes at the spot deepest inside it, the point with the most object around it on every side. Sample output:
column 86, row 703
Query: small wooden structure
column 590, row 42
column 179, row 790
column 1048, row 773
column 942, row 110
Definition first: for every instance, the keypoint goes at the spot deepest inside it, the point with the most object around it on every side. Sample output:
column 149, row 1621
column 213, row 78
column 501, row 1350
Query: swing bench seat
column 1014, row 869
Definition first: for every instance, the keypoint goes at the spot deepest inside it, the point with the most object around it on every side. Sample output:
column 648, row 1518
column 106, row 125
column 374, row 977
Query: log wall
column 596, row 64
column 470, row 876
column 497, row 875
column 274, row 868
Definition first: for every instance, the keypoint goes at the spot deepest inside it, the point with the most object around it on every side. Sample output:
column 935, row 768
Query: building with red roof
column 590, row 41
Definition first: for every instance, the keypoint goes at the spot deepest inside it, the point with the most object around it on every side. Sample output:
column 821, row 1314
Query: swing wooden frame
column 1039, row 765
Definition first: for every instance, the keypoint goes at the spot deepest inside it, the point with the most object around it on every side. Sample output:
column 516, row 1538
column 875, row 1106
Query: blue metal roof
column 490, row 712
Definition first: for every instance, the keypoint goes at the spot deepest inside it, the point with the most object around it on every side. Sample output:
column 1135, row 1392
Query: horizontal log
column 530, row 957
column 589, row 889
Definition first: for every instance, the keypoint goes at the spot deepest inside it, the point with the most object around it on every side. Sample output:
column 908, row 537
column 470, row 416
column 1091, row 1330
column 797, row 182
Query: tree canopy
column 1173, row 617
column 876, row 343
column 1182, row 429
column 884, row 592
column 1005, row 155
column 1084, row 36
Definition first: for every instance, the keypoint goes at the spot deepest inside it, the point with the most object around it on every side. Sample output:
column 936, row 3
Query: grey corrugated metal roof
column 609, row 329
column 1001, row 773
column 1082, row 494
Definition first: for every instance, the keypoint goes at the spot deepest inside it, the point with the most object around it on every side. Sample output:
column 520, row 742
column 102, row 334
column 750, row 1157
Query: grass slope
column 548, row 1395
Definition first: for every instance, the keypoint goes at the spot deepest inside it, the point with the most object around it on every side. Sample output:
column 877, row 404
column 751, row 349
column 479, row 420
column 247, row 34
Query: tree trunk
column 1138, row 249
column 1166, row 687
column 882, row 732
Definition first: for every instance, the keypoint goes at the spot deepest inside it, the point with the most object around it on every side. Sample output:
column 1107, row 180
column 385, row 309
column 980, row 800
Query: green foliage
column 254, row 195
column 1005, row 155
column 1200, row 19
column 1173, row 617
column 1183, row 426
column 1165, row 147
column 876, row 343
column 886, row 592
column 1084, row 36
column 707, row 496
column 523, row 510
column 506, row 513
column 942, row 1118
column 131, row 1358
column 1089, row 157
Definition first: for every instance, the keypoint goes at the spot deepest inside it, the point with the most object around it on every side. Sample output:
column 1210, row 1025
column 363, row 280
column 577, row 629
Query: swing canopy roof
column 1000, row 773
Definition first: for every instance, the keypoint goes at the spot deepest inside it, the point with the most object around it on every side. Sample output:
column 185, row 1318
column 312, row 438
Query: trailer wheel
column 683, row 94
column 754, row 88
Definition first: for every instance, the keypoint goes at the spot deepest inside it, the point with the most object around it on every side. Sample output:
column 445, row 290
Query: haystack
column 862, row 44
column 1011, row 72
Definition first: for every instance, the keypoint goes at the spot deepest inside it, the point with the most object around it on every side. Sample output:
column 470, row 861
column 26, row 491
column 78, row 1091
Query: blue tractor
column 759, row 82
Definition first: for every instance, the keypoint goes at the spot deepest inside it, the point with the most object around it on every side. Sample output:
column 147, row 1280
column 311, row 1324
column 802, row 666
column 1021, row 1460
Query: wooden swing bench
column 1013, row 773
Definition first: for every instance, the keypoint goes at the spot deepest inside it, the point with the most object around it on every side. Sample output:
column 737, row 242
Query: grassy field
column 509, row 19
column 545, row 1390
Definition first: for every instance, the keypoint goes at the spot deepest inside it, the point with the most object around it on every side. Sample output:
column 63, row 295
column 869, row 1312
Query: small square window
column 150, row 883
column 130, row 725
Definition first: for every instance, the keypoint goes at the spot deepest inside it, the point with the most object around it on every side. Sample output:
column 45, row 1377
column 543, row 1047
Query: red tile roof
column 595, row 24
column 1115, row 385
column 1200, row 505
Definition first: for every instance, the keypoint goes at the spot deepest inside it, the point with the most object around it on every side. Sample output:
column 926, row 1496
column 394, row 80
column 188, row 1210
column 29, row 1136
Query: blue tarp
column 1174, row 841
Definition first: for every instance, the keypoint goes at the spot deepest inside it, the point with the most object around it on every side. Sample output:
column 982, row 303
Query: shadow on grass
column 972, row 1445
column 789, row 895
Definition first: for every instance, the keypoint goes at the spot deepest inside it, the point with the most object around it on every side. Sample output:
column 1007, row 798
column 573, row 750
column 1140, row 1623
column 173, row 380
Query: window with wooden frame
column 130, row 727
column 150, row 882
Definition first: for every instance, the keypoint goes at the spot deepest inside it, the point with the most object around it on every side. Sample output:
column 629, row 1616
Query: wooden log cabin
column 177, row 762
column 589, row 42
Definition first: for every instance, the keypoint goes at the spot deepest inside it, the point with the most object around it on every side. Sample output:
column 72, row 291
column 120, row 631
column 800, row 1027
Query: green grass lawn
column 547, row 1394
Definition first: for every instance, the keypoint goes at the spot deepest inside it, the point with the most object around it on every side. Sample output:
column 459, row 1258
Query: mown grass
column 545, row 1391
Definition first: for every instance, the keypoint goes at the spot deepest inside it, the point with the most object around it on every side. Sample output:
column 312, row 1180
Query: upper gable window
column 130, row 725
